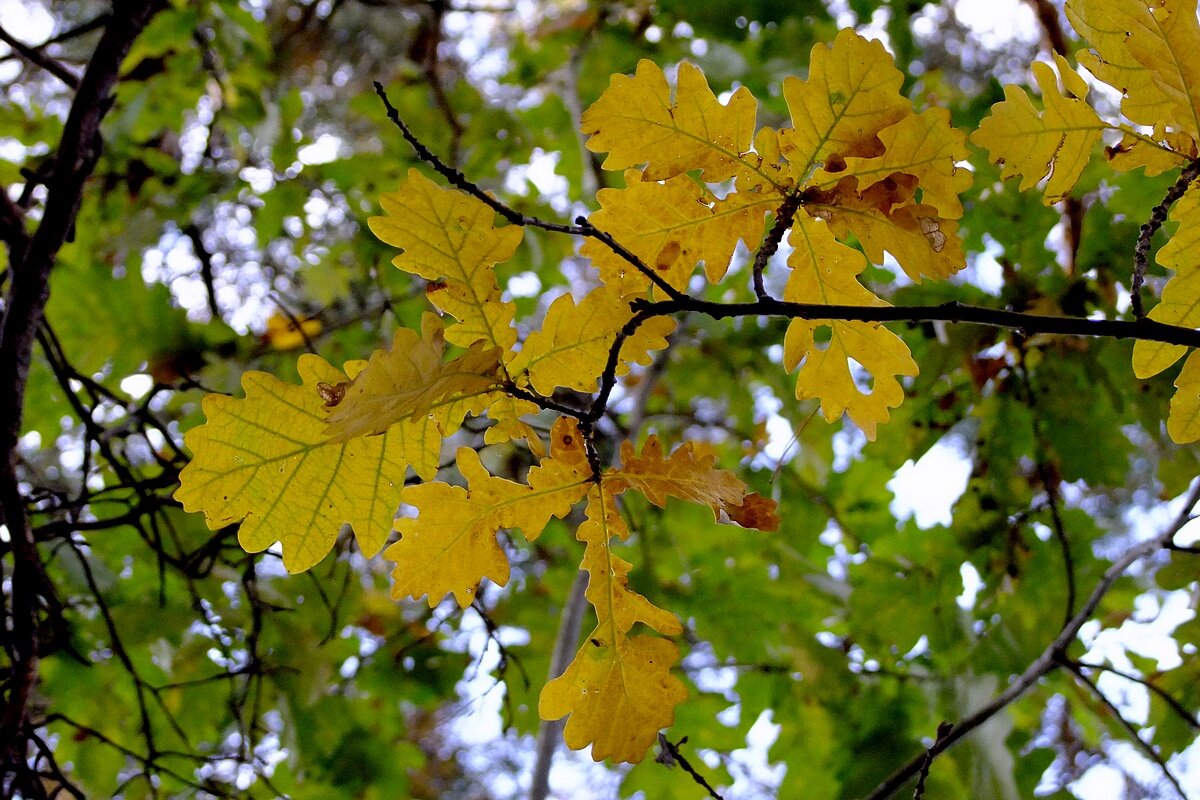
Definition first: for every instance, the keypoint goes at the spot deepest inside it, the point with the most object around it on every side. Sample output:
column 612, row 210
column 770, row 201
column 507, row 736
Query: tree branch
column 784, row 216
column 23, row 312
column 1158, row 216
column 459, row 181
column 669, row 756
column 1147, row 749
column 36, row 57
column 1050, row 659
column 1175, row 705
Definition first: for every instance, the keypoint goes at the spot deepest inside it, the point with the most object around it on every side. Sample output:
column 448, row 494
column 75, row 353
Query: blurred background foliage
column 224, row 230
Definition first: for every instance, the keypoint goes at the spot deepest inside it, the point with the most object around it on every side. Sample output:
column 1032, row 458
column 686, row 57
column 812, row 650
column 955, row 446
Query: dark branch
column 459, row 181
column 1175, row 705
column 1051, row 658
column 669, row 756
column 38, row 58
column 784, row 216
column 192, row 231
column 24, row 307
column 1158, row 216
column 1147, row 749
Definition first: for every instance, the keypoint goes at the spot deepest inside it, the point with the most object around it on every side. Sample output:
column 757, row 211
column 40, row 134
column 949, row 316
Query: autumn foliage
column 860, row 177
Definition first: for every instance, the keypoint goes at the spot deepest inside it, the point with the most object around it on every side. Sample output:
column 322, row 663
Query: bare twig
column 669, row 756
column 459, row 181
column 1172, row 703
column 196, row 237
column 1158, row 216
column 1050, row 659
column 784, row 216
column 1147, row 749
column 35, row 56
column 942, row 730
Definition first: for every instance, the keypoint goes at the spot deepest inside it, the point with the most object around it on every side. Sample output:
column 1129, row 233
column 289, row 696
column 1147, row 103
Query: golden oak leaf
column 619, row 690
column 851, row 94
column 1166, row 42
column 450, row 545
column 685, row 474
column 266, row 461
column 290, row 333
column 571, row 349
column 924, row 146
column 637, row 121
column 823, row 271
column 506, row 411
column 1156, row 154
column 619, row 696
column 755, row 511
column 672, row 227
column 1106, row 26
column 1183, row 419
column 1053, row 144
column 884, row 218
column 448, row 237
column 410, row 380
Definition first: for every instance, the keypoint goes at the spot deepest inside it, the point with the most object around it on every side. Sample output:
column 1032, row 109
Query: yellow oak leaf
column 1156, row 154
column 1165, row 41
column 448, row 237
column 851, row 94
column 686, row 474
column 619, row 696
column 1181, row 295
column 672, row 227
column 884, row 218
column 823, row 272
column 266, row 461
column 1153, row 59
column 506, row 411
column 924, row 146
column 637, row 121
column 451, row 545
column 619, row 690
column 1106, row 26
column 1183, row 419
column 571, row 348
column 410, row 380
column 1054, row 144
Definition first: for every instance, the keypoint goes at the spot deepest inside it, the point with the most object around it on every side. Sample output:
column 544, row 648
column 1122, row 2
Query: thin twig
column 459, row 181
column 1157, row 217
column 1147, row 749
column 193, row 233
column 943, row 729
column 784, row 216
column 669, row 756
column 38, row 58
column 1175, row 705
column 1050, row 659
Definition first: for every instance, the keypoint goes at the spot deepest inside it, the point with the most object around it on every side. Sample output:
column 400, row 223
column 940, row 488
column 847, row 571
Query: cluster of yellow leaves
column 864, row 165
column 295, row 464
column 1147, row 51
column 619, row 691
column 869, row 178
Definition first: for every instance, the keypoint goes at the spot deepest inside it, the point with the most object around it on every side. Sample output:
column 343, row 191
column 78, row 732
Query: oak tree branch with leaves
column 714, row 232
